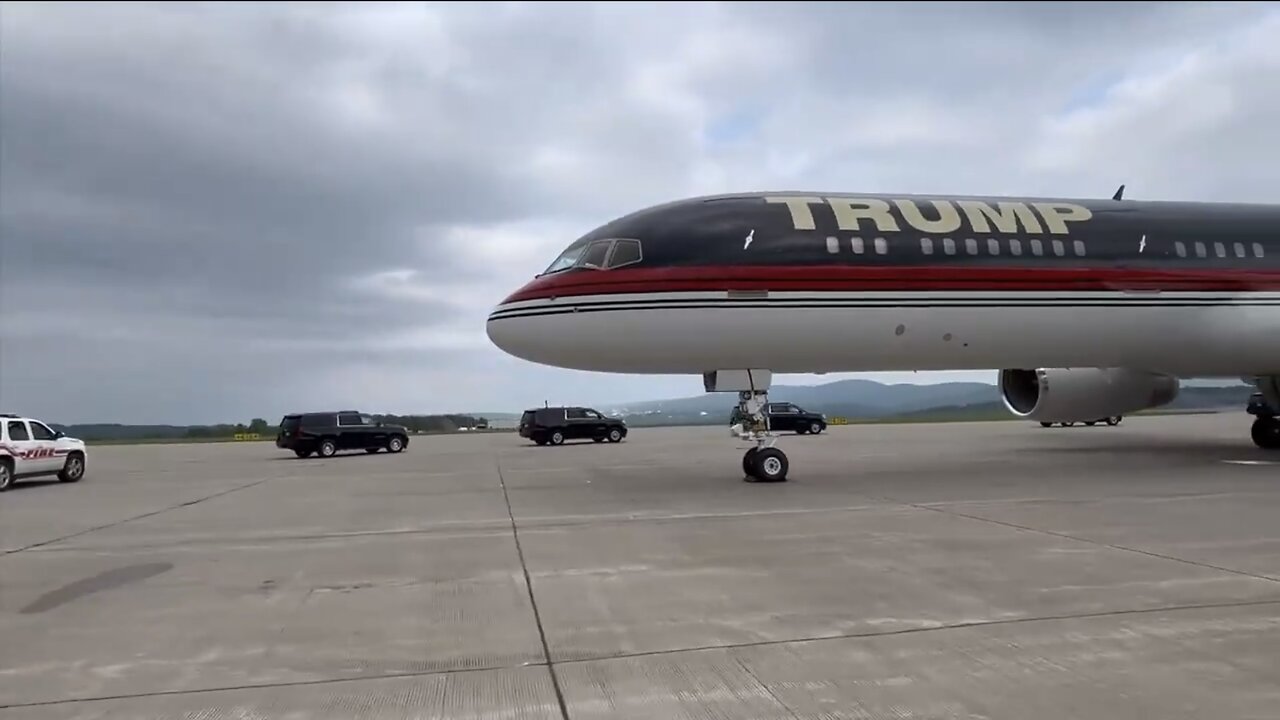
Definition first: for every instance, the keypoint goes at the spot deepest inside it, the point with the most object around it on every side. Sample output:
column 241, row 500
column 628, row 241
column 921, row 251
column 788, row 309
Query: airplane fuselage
column 824, row 282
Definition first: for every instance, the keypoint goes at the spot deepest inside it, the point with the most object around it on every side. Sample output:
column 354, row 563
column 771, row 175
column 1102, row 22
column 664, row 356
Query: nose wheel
column 767, row 464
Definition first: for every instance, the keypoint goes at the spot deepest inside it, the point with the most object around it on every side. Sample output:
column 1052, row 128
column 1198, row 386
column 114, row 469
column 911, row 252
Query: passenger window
column 1257, row 250
column 1239, row 250
column 1181, row 249
column 576, row 414
column 625, row 252
column 1200, row 250
column 926, row 246
column 856, row 244
column 881, row 246
column 595, row 255
column 971, row 246
column 1036, row 248
column 1015, row 247
column 18, row 431
column 1079, row 246
column 993, row 246
column 40, row 432
column 348, row 419
column 1220, row 249
column 948, row 246
column 1058, row 248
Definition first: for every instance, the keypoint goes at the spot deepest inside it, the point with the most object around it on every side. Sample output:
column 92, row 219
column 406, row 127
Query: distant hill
column 856, row 400
column 871, row 400
column 117, row 432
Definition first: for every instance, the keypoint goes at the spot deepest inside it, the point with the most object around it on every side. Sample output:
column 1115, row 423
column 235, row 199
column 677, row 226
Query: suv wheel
column 6, row 475
column 815, row 428
column 73, row 470
column 395, row 444
column 557, row 438
column 615, row 435
column 327, row 448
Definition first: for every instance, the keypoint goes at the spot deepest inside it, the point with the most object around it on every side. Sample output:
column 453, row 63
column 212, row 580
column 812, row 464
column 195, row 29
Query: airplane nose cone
column 510, row 335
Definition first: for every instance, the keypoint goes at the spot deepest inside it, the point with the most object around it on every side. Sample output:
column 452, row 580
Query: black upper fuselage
column 806, row 228
column 833, row 241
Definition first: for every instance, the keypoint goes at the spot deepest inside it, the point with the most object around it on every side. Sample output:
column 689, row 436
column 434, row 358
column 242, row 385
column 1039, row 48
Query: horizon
column 273, row 419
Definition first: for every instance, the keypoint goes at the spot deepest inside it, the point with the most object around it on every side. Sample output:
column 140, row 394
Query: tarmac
column 968, row 570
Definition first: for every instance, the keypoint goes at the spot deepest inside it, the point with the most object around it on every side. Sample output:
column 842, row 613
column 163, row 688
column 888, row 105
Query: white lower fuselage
column 1185, row 334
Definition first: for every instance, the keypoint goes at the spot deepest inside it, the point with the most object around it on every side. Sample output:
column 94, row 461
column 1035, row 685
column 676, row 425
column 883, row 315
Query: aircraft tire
column 1266, row 433
column 770, row 465
column 748, row 464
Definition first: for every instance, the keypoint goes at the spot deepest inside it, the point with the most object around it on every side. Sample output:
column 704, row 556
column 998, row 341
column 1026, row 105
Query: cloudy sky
column 213, row 212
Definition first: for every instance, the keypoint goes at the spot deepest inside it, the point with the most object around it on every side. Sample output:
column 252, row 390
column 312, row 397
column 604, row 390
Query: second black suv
column 788, row 417
column 554, row 425
column 325, row 433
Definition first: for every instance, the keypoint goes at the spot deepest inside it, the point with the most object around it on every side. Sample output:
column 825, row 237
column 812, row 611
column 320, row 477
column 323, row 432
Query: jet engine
column 1082, row 394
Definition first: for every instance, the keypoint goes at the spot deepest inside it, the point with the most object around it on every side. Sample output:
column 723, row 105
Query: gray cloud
column 208, row 213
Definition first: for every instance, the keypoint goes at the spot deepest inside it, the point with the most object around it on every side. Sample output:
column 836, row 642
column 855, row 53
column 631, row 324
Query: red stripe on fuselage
column 826, row 278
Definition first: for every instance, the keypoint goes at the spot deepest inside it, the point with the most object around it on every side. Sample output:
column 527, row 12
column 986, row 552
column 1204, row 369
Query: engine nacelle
column 1082, row 394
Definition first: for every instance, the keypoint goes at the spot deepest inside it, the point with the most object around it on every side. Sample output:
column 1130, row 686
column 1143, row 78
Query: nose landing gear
column 750, row 422
column 764, row 462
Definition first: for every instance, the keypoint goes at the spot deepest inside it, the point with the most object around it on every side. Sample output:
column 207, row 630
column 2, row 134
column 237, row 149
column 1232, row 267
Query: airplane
column 1090, row 307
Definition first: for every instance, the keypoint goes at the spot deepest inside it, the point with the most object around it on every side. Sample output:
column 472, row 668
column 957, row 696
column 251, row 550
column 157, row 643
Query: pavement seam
column 751, row 674
column 654, row 653
column 1097, row 543
column 533, row 602
column 153, row 513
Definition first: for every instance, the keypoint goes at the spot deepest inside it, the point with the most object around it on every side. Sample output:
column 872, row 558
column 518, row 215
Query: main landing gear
column 1264, row 406
column 764, row 462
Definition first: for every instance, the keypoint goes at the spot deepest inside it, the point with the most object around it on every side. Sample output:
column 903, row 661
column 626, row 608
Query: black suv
column 325, row 433
column 788, row 417
column 554, row 425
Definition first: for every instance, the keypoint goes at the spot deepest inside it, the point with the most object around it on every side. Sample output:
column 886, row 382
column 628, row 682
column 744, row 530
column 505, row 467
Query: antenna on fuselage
column 1119, row 193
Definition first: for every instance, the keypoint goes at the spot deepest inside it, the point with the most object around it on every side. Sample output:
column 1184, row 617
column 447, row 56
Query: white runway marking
column 1253, row 462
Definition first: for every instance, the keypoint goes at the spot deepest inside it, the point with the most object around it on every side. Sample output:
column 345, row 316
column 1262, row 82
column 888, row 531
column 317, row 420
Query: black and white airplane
column 1095, row 308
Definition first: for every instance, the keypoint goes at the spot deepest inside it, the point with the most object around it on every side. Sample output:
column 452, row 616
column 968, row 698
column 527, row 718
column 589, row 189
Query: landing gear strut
column 764, row 462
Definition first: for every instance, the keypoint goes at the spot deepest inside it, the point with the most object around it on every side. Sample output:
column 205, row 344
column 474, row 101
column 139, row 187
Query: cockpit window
column 566, row 260
column 625, row 252
column 595, row 256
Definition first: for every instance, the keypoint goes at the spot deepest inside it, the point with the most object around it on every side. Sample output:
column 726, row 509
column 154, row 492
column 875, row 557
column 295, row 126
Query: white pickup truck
column 29, row 448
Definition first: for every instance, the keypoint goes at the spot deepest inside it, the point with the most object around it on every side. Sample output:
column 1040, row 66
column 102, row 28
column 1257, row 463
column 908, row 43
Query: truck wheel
column 557, row 438
column 327, row 448
column 6, row 475
column 395, row 444
column 615, row 435
column 815, row 428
